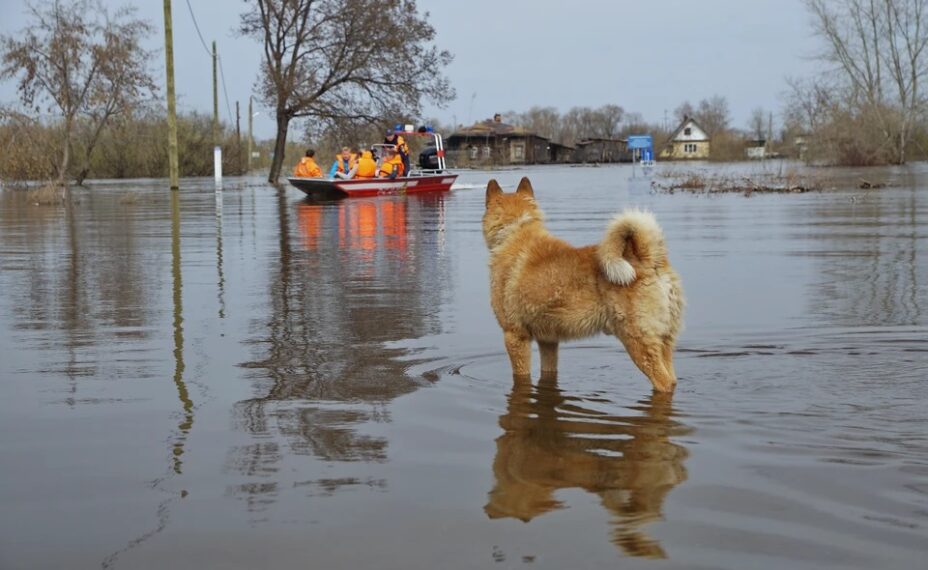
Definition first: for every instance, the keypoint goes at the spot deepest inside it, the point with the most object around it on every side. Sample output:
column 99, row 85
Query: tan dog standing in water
column 543, row 288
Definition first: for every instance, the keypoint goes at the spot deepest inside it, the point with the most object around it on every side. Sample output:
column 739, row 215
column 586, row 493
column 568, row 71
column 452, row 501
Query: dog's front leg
column 519, row 347
column 548, row 352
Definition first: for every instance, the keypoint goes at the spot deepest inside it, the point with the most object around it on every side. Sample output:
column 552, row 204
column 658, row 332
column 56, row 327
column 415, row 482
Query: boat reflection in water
column 349, row 279
column 359, row 225
column 552, row 442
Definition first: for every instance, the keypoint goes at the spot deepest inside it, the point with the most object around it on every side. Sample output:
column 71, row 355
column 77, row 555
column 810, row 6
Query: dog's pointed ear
column 525, row 187
column 493, row 190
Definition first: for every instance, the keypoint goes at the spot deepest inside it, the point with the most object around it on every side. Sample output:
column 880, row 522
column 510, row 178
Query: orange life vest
column 342, row 167
column 400, row 143
column 391, row 164
column 307, row 168
column 367, row 168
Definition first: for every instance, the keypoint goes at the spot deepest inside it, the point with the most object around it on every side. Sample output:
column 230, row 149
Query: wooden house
column 602, row 150
column 561, row 153
column 494, row 142
column 689, row 141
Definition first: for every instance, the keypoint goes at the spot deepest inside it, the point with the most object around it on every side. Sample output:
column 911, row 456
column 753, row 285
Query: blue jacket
column 347, row 165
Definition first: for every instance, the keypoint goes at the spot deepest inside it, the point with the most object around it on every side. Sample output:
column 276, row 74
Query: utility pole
column 215, row 101
column 172, row 106
column 769, row 142
column 238, row 140
column 217, row 149
column 248, row 158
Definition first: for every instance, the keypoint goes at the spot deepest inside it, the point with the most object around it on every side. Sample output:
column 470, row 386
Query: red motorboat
column 357, row 187
column 417, row 181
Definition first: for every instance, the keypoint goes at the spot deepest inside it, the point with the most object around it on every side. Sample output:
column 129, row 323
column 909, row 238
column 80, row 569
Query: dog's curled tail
column 633, row 243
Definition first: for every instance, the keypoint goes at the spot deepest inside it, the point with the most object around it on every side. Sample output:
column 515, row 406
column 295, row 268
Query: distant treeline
column 837, row 127
column 613, row 122
column 136, row 147
column 130, row 147
column 821, row 123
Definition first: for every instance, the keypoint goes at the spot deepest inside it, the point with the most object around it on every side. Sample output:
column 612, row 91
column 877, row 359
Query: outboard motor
column 428, row 158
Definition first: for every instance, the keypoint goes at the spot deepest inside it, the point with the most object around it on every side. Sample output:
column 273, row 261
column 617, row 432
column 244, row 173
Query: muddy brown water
column 247, row 379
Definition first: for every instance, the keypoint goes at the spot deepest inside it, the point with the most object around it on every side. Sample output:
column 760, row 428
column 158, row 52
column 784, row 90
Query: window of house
column 687, row 131
column 518, row 152
column 473, row 152
column 689, row 147
column 486, row 152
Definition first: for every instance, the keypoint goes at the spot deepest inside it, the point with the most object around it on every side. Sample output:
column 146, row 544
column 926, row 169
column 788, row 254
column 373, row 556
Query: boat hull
column 334, row 189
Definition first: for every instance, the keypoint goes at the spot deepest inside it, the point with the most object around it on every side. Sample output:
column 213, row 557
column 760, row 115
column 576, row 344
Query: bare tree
column 713, row 115
column 330, row 60
column 544, row 121
column 331, row 135
column 877, row 48
column 683, row 111
column 808, row 104
column 77, row 61
column 634, row 121
column 607, row 121
column 577, row 124
column 757, row 124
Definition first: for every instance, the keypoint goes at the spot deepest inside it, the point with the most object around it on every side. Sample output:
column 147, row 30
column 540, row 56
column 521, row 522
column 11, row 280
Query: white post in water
column 217, row 149
column 217, row 166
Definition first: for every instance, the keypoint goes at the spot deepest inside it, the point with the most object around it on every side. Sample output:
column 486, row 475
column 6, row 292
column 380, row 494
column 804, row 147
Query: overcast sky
column 647, row 56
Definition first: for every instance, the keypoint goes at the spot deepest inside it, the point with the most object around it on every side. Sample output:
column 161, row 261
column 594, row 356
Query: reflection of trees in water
column 350, row 277
column 82, row 278
column 552, row 442
column 868, row 252
column 76, row 270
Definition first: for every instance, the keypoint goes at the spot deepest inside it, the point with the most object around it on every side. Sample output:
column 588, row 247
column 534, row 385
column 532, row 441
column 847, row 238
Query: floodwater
column 248, row 380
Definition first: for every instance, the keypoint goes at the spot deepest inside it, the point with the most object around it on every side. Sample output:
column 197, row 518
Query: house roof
column 492, row 128
column 683, row 124
column 592, row 140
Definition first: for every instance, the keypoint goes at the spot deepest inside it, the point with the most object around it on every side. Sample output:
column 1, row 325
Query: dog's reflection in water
column 553, row 442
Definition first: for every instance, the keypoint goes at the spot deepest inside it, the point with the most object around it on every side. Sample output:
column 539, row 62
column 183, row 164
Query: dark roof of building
column 492, row 128
column 682, row 125
column 592, row 140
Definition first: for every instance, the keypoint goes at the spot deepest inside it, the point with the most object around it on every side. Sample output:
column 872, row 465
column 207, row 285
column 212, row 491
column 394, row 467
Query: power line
column 225, row 93
column 197, row 27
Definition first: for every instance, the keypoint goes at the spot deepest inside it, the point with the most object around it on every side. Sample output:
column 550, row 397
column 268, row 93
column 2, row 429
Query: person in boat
column 401, row 147
column 367, row 166
column 345, row 166
column 307, row 167
column 392, row 165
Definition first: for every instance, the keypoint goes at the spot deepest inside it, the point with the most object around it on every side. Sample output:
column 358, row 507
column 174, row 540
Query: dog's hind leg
column 648, row 354
column 668, row 346
column 548, row 352
column 519, row 347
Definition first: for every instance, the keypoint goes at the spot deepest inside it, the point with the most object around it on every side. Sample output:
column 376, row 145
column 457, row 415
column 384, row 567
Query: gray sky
column 647, row 56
